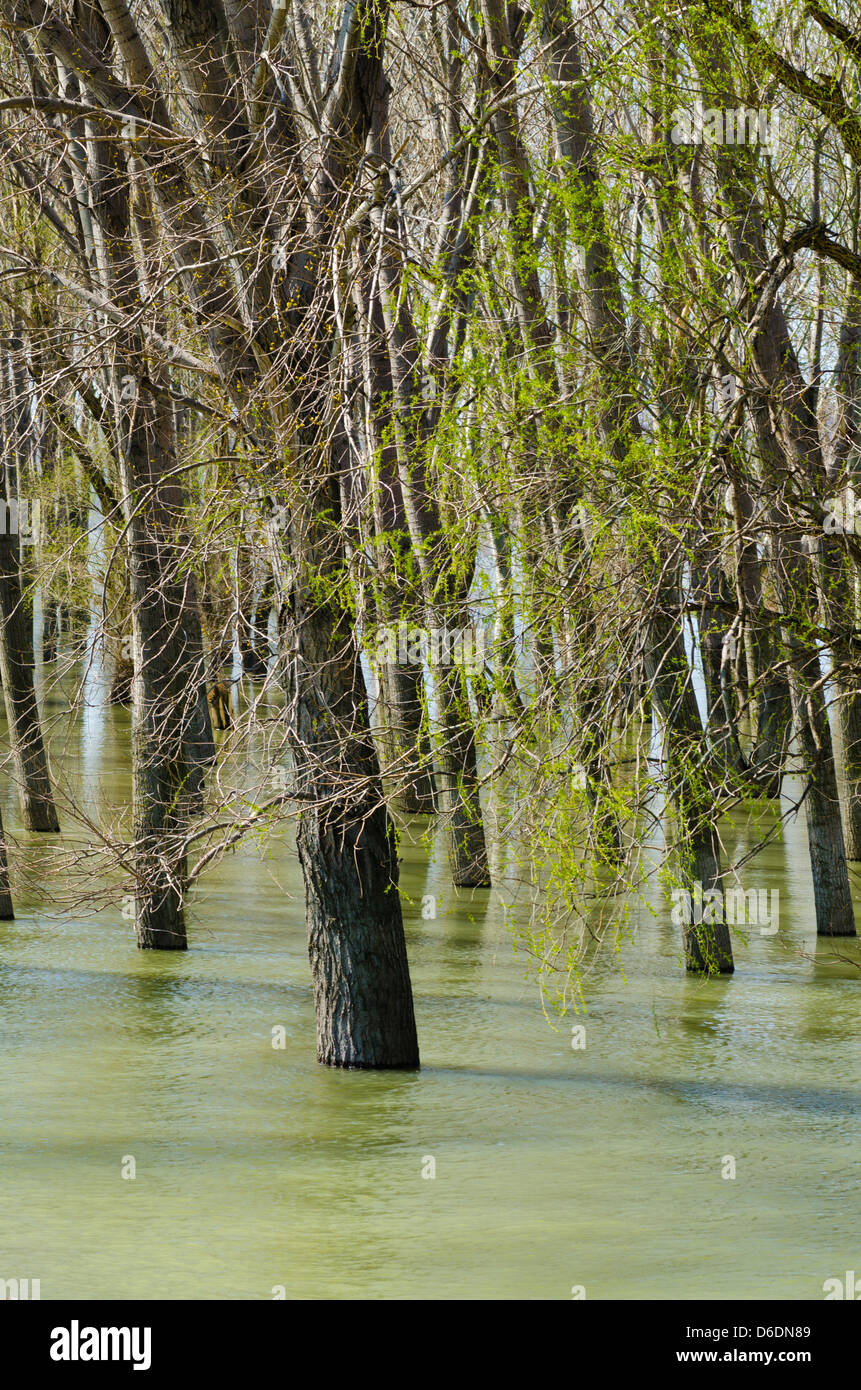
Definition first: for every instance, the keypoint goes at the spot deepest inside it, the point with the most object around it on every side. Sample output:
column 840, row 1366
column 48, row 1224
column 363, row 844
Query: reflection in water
column 554, row 1166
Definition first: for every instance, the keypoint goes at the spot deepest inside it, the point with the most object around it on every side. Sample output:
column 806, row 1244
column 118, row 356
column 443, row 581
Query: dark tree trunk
column 848, row 719
column 837, row 602
column 507, row 700
column 159, row 733
column 707, row 945
column 6, row 911
column 405, row 741
column 22, row 712
column 766, row 684
column 711, row 593
column 16, row 626
column 50, row 627
column 346, row 843
column 458, row 794
column 199, row 746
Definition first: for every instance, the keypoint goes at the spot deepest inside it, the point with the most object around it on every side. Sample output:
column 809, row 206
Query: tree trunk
column 16, row 627
column 707, row 945
column 6, row 911
column 22, row 711
column 50, row 627
column 711, row 593
column 356, row 943
column 407, row 751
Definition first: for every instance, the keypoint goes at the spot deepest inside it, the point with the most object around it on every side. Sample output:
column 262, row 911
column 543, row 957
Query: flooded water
column 258, row 1171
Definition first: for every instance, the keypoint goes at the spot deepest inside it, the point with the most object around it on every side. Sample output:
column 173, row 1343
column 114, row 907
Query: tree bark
column 17, row 660
column 356, row 944
column 707, row 945
column 7, row 913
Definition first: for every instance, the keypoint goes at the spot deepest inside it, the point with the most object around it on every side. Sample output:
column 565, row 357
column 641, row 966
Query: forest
column 430, row 634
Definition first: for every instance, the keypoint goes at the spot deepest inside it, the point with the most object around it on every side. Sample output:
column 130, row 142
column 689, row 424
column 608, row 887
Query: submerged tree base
column 162, row 941
column 708, row 950
column 331, row 1061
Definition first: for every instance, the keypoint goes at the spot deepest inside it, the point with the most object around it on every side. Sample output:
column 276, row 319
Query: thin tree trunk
column 22, row 711
column 6, row 911
column 16, row 632
column 707, row 945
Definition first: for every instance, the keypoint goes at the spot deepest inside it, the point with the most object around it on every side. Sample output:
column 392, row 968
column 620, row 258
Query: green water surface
column 258, row 1170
